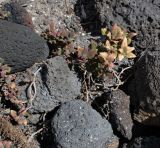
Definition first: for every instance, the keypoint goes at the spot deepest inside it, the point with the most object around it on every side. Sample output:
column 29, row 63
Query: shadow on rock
column 86, row 11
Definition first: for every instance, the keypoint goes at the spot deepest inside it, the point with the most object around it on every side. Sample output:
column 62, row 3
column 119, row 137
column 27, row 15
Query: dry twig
column 118, row 76
column 32, row 87
column 32, row 136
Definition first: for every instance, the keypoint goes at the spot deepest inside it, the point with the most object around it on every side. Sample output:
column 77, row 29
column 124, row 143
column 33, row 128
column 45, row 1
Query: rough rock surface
column 44, row 12
column 144, row 142
column 20, row 47
column 77, row 125
column 147, row 83
column 55, row 83
column 60, row 13
column 141, row 16
column 17, row 14
column 120, row 113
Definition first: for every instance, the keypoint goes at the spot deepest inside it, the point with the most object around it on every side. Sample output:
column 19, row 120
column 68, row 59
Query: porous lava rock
column 120, row 115
column 17, row 14
column 140, row 16
column 147, row 83
column 76, row 125
column 45, row 12
column 55, row 83
column 20, row 47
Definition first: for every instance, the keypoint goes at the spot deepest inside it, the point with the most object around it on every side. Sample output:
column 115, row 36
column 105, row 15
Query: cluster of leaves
column 4, row 14
column 60, row 40
column 113, row 46
column 100, row 57
column 9, row 92
column 116, row 45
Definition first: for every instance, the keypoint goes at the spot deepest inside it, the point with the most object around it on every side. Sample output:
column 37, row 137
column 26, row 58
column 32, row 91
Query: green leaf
column 103, row 31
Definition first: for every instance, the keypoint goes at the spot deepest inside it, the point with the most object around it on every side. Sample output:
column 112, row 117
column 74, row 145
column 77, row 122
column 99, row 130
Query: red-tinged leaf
column 64, row 33
column 14, row 115
column 117, row 32
column 5, row 144
column 80, row 50
column 12, row 85
column 22, row 122
column 103, row 56
column 82, row 53
column 91, row 53
column 111, row 65
column 132, row 34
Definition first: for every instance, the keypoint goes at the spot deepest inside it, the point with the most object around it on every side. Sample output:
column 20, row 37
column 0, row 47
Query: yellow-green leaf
column 103, row 31
column 131, row 55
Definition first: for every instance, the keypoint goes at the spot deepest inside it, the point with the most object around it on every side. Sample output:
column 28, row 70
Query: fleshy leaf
column 108, row 45
column 93, row 44
column 120, row 57
column 91, row 53
column 131, row 55
column 117, row 33
column 132, row 34
column 103, row 31
column 129, row 41
column 109, row 35
column 124, row 43
column 82, row 53
column 107, row 56
column 103, row 56
column 80, row 50
column 125, row 50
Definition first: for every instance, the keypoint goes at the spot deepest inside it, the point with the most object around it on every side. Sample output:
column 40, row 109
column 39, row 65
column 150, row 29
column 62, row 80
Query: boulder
column 76, row 125
column 17, row 14
column 147, row 83
column 55, row 83
column 20, row 47
column 120, row 115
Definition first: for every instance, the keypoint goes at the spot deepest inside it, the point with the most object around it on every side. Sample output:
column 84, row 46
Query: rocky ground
column 48, row 101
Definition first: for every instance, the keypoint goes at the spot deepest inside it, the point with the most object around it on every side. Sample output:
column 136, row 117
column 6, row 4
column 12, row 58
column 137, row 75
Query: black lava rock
column 144, row 142
column 20, row 47
column 18, row 14
column 141, row 16
column 120, row 115
column 77, row 125
column 147, row 81
column 145, row 86
column 55, row 83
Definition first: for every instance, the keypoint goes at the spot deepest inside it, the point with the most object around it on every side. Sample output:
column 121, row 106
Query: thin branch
column 124, row 70
column 32, row 136
column 32, row 87
column 118, row 76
